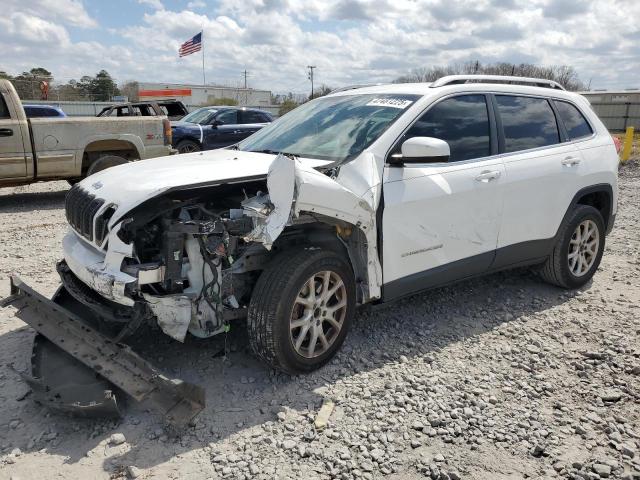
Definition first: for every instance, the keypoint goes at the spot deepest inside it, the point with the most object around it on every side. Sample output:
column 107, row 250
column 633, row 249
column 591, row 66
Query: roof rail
column 353, row 87
column 457, row 79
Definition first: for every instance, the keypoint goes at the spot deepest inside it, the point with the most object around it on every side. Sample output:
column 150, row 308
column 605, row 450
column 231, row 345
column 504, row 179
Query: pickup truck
column 39, row 149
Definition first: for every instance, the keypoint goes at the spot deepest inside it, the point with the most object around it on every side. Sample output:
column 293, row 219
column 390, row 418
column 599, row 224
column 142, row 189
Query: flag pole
column 204, row 80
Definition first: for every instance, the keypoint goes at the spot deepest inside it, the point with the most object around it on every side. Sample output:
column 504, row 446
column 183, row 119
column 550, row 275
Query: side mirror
column 423, row 150
column 216, row 123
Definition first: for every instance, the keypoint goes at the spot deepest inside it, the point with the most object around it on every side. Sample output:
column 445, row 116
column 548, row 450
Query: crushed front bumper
column 177, row 400
column 94, row 268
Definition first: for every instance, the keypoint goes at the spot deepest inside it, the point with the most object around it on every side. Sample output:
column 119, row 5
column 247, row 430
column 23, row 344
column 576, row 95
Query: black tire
column 104, row 162
column 556, row 269
column 273, row 301
column 188, row 146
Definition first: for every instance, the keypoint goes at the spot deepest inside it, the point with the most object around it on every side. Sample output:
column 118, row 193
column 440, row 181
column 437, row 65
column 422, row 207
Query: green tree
column 102, row 87
column 286, row 106
column 28, row 83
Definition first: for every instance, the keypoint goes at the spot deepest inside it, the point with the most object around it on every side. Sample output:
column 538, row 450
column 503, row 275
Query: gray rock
column 134, row 472
column 117, row 439
column 601, row 469
column 611, row 396
column 289, row 444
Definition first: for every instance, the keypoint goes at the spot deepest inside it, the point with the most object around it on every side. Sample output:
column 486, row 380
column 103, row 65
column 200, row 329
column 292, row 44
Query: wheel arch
column 189, row 138
column 339, row 236
column 599, row 196
column 109, row 146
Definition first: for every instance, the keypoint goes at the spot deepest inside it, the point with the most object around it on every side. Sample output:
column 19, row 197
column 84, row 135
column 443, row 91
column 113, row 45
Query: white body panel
column 434, row 215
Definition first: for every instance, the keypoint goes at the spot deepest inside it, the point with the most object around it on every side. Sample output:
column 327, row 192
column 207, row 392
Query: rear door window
column 249, row 116
column 462, row 121
column 574, row 122
column 527, row 122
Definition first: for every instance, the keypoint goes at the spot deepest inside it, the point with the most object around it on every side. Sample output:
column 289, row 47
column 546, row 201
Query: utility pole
column 246, row 92
column 245, row 73
column 310, row 76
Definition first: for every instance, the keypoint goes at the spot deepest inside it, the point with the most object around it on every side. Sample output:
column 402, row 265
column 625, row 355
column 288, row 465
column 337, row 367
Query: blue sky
column 350, row 41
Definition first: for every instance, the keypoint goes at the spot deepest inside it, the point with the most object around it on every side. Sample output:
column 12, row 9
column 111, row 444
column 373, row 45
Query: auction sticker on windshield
column 390, row 102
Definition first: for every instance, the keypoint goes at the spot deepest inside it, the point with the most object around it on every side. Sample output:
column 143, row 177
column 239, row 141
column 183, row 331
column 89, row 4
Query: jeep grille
column 81, row 208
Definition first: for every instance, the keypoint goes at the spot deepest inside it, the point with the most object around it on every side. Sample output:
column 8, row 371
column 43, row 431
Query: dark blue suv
column 216, row 127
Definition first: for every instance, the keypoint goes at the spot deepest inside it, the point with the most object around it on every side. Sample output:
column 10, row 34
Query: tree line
column 99, row 88
column 563, row 74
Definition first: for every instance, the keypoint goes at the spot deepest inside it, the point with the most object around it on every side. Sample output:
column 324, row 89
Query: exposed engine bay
column 192, row 258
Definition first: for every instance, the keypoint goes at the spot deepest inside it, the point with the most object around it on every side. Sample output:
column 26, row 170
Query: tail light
column 167, row 131
column 618, row 143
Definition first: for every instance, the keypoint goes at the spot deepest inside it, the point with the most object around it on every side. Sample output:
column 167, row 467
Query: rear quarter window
column 527, row 122
column 574, row 122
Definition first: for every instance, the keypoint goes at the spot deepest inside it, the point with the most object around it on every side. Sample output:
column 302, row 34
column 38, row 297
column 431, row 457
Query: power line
column 310, row 76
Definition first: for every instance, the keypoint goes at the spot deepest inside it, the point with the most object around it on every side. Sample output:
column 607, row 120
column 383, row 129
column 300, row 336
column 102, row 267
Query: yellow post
column 628, row 143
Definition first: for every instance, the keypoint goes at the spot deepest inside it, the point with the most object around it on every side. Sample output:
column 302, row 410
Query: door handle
column 571, row 161
column 488, row 175
column 6, row 132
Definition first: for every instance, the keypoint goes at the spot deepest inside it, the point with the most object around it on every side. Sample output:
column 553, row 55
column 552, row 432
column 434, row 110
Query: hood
column 133, row 183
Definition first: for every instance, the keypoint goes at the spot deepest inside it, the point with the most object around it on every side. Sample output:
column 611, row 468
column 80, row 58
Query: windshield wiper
column 270, row 152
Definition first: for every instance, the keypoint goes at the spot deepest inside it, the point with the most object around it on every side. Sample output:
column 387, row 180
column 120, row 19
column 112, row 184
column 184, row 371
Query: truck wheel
column 188, row 146
column 105, row 162
column 578, row 251
column 301, row 309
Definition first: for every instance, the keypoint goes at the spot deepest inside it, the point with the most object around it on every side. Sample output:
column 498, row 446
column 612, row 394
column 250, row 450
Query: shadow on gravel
column 27, row 201
column 242, row 393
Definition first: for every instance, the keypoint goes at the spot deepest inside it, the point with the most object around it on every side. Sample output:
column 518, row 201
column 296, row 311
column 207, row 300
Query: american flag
column 192, row 45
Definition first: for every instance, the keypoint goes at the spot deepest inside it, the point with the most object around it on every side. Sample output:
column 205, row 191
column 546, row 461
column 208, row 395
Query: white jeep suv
column 364, row 195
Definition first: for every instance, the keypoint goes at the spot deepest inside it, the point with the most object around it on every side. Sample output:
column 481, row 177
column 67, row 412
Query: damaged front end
column 186, row 260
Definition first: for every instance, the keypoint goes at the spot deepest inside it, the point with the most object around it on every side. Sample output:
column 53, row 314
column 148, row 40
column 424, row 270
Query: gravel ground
column 502, row 377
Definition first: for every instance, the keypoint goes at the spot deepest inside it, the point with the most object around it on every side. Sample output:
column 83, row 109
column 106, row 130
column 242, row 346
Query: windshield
column 202, row 116
column 331, row 128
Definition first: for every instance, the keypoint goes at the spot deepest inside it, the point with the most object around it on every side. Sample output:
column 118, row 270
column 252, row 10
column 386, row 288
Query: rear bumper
column 92, row 267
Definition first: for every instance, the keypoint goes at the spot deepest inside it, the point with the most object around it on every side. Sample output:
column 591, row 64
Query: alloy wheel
column 583, row 247
column 318, row 314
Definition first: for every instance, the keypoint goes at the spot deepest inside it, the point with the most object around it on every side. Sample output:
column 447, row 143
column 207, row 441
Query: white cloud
column 196, row 4
column 156, row 4
column 68, row 12
column 350, row 41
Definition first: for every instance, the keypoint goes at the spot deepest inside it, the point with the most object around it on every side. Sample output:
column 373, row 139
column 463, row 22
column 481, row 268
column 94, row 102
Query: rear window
column 574, row 122
column 4, row 111
column 527, row 122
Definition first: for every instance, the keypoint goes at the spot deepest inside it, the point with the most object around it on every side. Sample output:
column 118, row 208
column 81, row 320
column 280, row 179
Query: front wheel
column 188, row 146
column 301, row 309
column 578, row 251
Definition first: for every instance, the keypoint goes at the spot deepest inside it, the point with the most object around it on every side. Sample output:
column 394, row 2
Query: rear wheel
column 301, row 309
column 105, row 162
column 578, row 251
column 188, row 146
